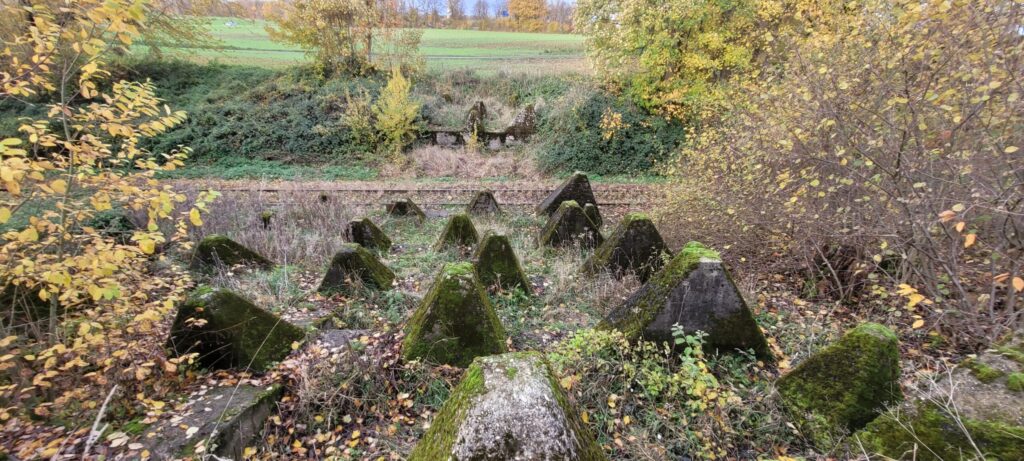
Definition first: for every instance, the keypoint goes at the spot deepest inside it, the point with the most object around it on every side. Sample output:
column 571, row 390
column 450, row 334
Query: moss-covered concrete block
column 695, row 291
column 353, row 264
column 594, row 214
column 228, row 419
column 455, row 322
column 575, row 188
column 365, row 233
column 635, row 247
column 459, row 232
column 569, row 225
column 406, row 208
column 497, row 265
column 218, row 250
column 845, row 385
column 483, row 204
column 508, row 407
column 228, row 331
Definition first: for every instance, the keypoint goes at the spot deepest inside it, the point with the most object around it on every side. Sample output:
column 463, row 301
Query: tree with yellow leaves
column 528, row 15
column 89, row 300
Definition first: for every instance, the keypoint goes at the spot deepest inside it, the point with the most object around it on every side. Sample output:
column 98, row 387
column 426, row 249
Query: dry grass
column 463, row 163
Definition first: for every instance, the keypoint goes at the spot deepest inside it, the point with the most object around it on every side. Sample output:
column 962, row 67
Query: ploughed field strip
column 509, row 404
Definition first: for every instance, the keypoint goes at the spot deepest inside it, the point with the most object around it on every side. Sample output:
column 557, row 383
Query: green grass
column 248, row 43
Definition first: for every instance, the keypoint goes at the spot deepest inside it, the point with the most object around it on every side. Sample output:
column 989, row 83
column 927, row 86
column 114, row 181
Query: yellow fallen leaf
column 1018, row 284
column 917, row 324
column 969, row 240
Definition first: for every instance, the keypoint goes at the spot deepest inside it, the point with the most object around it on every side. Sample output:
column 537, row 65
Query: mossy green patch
column 217, row 250
column 1015, row 382
column 982, row 371
column 497, row 265
column 932, row 433
column 569, row 225
column 635, row 247
column 228, row 331
column 367, row 234
column 354, row 263
column 455, row 322
column 437, row 443
column 1011, row 353
column 846, row 385
column 459, row 232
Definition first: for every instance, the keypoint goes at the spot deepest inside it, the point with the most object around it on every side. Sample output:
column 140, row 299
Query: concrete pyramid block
column 455, row 322
column 365, row 233
column 695, row 291
column 483, row 204
column 634, row 247
column 354, row 264
column 594, row 214
column 459, row 232
column 406, row 208
column 508, row 407
column 497, row 265
column 576, row 188
column 570, row 225
column 846, row 385
column 228, row 331
column 218, row 250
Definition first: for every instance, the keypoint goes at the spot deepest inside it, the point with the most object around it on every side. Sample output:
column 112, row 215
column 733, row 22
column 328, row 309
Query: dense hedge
column 292, row 116
column 574, row 140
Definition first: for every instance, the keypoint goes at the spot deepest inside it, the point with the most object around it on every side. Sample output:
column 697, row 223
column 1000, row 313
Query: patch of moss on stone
column 367, row 234
column 353, row 263
column 455, row 322
column 983, row 372
column 459, row 232
column 569, row 225
column 406, row 208
column 483, row 203
column 594, row 214
column 634, row 247
column 1015, row 382
column 216, row 250
column 695, row 291
column 497, row 265
column 575, row 188
column 228, row 331
column 929, row 433
column 437, row 443
column 844, row 386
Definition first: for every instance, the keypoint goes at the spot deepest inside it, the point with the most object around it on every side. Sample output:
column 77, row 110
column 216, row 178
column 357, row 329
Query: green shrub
column 597, row 132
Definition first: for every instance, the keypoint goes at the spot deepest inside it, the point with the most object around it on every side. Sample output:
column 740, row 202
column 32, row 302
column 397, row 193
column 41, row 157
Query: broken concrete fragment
column 406, row 208
column 455, row 322
column 594, row 214
column 217, row 250
column 568, row 226
column 845, row 385
column 483, row 203
column 497, row 265
column 228, row 419
column 459, row 232
column 635, row 247
column 524, row 124
column 576, row 188
column 353, row 264
column 366, row 233
column 964, row 412
column 695, row 291
column 508, row 407
column 228, row 331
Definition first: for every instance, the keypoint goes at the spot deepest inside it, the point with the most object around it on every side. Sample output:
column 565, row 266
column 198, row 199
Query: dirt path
column 512, row 193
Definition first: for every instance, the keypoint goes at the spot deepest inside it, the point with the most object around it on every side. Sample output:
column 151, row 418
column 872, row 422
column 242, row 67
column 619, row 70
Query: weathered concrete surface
column 367, row 234
column 497, row 265
column 695, row 291
column 594, row 214
column 576, row 188
column 351, row 265
column 568, row 226
column 228, row 331
column 635, row 247
column 524, row 124
column 406, row 208
column 508, row 407
column 483, row 204
column 228, row 420
column 217, row 250
column 458, row 232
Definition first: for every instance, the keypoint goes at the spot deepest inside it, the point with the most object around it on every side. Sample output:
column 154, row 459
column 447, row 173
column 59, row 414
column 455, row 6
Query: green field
column 247, row 42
